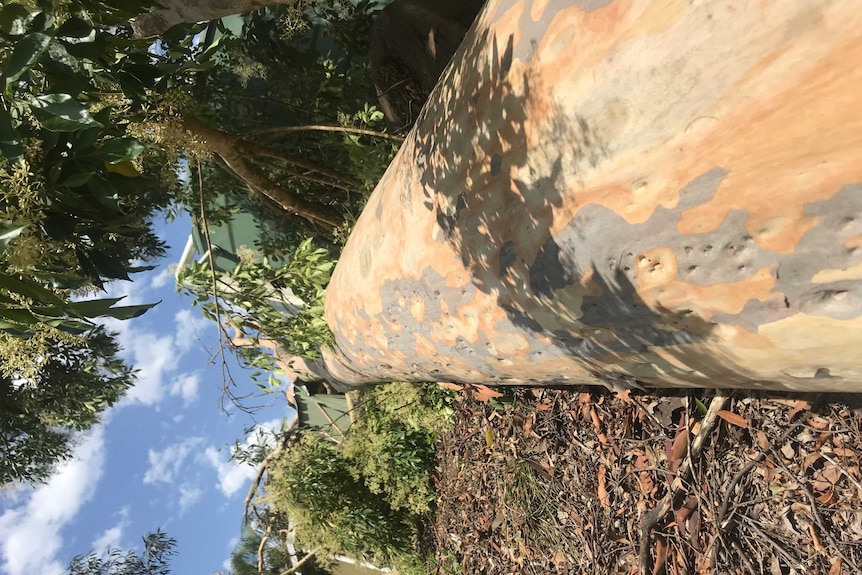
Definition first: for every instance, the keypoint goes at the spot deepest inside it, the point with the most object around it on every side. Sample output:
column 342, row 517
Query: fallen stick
column 677, row 487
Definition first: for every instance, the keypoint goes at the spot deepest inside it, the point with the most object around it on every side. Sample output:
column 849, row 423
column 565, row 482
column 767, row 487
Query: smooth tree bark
column 173, row 12
column 665, row 191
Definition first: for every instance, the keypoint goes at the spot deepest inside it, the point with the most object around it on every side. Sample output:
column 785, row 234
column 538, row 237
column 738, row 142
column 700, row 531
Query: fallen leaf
column 604, row 496
column 450, row 385
column 694, row 523
column 835, row 569
column 762, row 441
column 843, row 452
column 660, row 554
column 544, row 405
column 818, row 423
column 815, row 539
column 542, row 469
column 483, row 393
column 828, row 498
column 678, row 449
column 733, row 418
column 810, row 460
column 800, row 406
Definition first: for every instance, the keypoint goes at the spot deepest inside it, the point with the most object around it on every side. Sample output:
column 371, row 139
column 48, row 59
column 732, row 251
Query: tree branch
column 258, row 150
column 300, row 562
column 260, row 549
column 325, row 128
column 677, row 487
column 229, row 149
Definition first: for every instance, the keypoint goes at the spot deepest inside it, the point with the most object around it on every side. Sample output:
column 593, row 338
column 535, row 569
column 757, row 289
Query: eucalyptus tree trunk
column 670, row 191
column 173, row 12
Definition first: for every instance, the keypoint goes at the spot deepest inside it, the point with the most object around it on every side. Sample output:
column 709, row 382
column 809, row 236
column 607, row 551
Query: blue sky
column 159, row 459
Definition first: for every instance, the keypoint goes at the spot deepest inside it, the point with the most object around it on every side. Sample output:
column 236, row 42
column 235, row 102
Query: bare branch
column 232, row 151
column 299, row 563
column 325, row 128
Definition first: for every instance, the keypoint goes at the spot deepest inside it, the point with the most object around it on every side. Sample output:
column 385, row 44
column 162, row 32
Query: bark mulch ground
column 578, row 481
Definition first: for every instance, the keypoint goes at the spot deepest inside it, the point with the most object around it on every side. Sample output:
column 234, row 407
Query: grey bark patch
column 591, row 5
column 507, row 257
column 548, row 272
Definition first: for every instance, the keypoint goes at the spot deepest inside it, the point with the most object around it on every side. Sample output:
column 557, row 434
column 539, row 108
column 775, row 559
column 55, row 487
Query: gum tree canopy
column 664, row 190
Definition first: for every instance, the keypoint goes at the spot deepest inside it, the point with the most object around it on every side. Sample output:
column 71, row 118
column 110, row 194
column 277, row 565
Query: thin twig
column 719, row 520
column 794, row 561
column 255, row 484
column 677, row 487
column 225, row 369
column 744, row 556
column 300, row 562
column 815, row 512
column 324, row 128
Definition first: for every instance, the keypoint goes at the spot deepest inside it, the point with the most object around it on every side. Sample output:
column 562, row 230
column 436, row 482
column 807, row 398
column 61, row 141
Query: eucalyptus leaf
column 76, row 28
column 76, row 180
column 104, row 308
column 30, row 289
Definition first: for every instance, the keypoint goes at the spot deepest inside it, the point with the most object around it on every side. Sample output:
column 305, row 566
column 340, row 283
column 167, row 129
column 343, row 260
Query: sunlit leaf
column 14, row 19
column 27, row 52
column 62, row 113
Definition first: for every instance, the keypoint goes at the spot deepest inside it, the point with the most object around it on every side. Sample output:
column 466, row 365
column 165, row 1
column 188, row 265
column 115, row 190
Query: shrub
column 333, row 511
column 392, row 447
column 364, row 498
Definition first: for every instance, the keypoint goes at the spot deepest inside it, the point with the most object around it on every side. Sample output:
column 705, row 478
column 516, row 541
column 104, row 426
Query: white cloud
column 232, row 475
column 155, row 357
column 231, row 545
column 165, row 464
column 189, row 495
column 111, row 537
column 190, row 327
column 30, row 535
column 186, row 386
column 162, row 278
column 156, row 353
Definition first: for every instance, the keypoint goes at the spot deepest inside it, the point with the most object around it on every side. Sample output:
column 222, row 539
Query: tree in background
column 77, row 199
column 154, row 560
column 43, row 402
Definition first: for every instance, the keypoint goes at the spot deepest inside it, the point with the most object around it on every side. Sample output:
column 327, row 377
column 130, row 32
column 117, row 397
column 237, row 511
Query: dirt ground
column 573, row 480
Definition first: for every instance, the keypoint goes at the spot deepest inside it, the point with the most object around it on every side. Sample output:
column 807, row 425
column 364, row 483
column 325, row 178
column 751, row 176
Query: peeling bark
column 175, row 12
column 667, row 191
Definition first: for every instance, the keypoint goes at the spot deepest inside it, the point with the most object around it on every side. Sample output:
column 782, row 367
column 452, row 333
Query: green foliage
column 271, row 76
column 312, row 483
column 77, row 198
column 52, row 385
column 392, row 447
column 244, row 557
column 365, row 498
column 154, row 560
column 256, row 299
